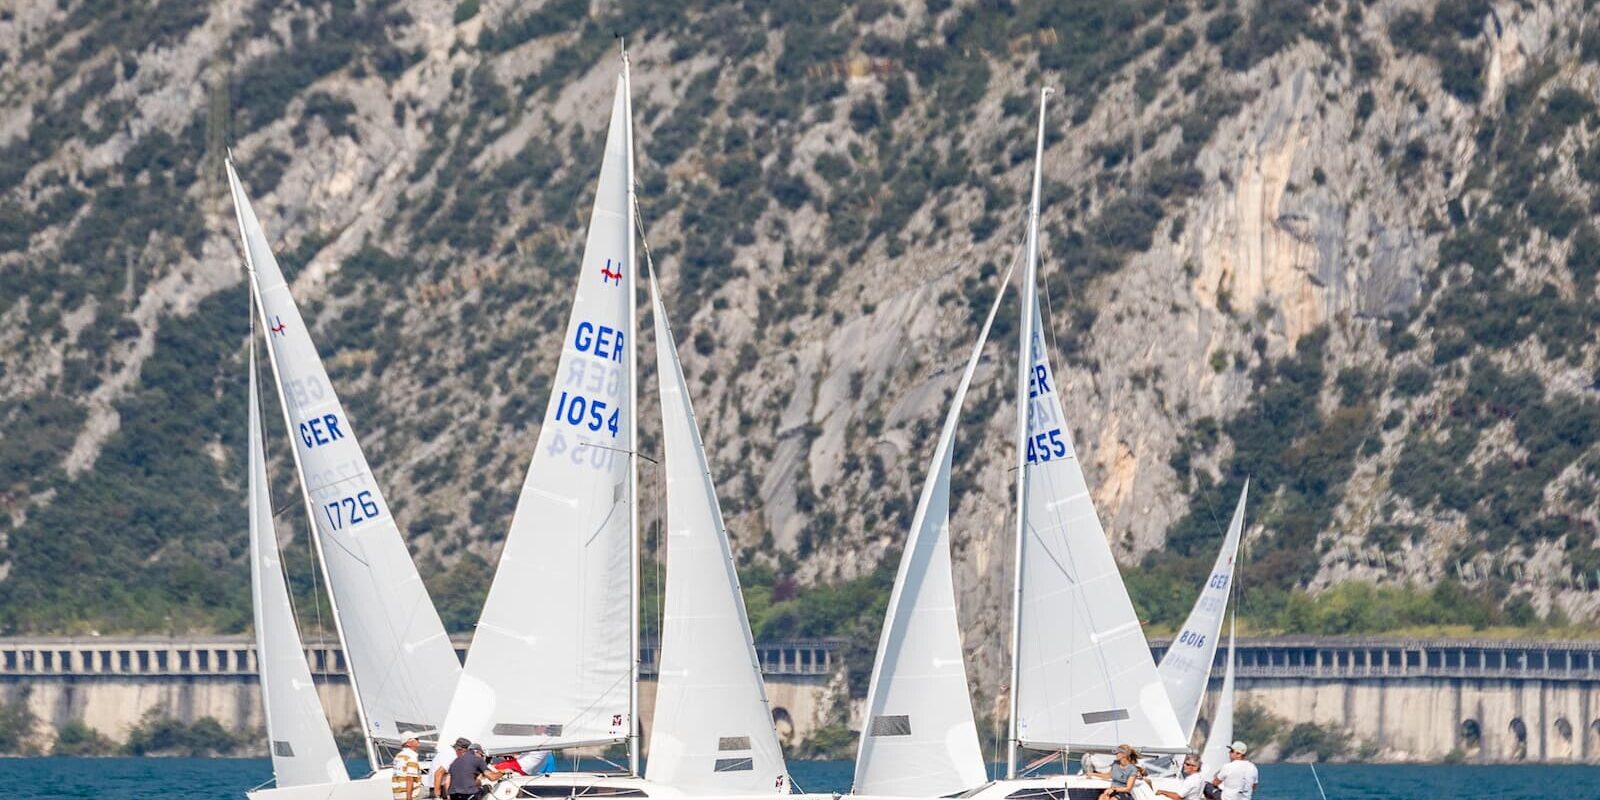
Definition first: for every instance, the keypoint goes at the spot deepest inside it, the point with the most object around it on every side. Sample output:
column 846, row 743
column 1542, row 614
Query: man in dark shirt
column 461, row 781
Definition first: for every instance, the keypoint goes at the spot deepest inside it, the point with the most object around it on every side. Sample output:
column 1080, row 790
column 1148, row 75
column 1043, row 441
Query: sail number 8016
column 577, row 410
column 351, row 510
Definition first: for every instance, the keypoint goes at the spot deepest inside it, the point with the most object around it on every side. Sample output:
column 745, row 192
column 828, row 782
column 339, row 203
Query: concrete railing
column 1350, row 657
column 1288, row 657
column 235, row 655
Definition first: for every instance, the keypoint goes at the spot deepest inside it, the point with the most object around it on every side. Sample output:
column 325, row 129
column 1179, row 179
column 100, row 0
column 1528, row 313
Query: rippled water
column 166, row 778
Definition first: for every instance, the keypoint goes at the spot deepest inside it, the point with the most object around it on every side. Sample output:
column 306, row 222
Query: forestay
column 302, row 746
column 1186, row 667
column 403, row 665
column 919, row 738
column 1216, row 752
column 550, row 664
column 712, row 732
column 1084, row 675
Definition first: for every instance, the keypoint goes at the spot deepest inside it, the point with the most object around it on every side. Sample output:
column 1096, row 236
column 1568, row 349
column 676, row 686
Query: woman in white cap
column 1238, row 778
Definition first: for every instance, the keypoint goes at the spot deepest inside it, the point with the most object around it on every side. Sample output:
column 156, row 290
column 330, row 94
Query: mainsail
column 551, row 662
column 302, row 746
column 1221, row 736
column 1084, row 677
column 919, row 738
column 401, row 662
column 712, row 732
column 1186, row 667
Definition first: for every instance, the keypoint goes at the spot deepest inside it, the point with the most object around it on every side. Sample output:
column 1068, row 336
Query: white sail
column 1186, row 667
column 302, row 746
column 401, row 662
column 919, row 738
column 551, row 661
column 1084, row 677
column 1221, row 736
column 712, row 732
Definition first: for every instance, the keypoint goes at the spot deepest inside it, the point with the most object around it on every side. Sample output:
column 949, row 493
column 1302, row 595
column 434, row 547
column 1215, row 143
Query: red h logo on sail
column 277, row 326
column 607, row 274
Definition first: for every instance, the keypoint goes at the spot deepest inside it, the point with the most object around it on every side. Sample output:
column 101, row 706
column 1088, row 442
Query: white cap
column 1238, row 747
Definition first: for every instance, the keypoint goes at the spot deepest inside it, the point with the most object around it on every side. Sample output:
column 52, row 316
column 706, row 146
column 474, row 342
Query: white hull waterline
column 375, row 787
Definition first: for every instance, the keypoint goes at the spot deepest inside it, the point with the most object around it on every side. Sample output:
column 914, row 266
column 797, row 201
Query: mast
column 316, row 537
column 1024, row 411
column 633, row 430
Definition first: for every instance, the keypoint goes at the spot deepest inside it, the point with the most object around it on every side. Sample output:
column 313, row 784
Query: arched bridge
column 1431, row 699
column 1413, row 699
column 111, row 684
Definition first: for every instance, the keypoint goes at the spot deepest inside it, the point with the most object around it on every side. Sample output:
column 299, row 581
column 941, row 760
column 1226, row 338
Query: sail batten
column 301, row 743
column 712, row 732
column 550, row 664
column 1186, row 666
column 401, row 662
column 920, row 738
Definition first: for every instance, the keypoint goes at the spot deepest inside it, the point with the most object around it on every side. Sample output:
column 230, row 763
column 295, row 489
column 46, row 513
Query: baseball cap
column 1238, row 747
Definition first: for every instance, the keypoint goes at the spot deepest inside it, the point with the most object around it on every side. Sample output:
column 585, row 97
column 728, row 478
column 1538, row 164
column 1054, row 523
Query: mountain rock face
column 1348, row 249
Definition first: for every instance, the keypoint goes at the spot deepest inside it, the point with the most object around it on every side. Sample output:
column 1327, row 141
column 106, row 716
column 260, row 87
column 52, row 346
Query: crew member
column 406, row 782
column 461, row 779
column 1238, row 778
column 1193, row 786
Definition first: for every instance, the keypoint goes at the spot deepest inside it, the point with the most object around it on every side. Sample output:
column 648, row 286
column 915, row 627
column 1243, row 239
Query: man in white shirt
column 1238, row 778
column 1193, row 786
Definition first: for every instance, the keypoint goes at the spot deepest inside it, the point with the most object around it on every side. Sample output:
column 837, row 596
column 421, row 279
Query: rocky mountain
column 1347, row 249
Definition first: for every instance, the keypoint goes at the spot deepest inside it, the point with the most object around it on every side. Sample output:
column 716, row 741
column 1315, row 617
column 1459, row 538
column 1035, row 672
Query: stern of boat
column 375, row 787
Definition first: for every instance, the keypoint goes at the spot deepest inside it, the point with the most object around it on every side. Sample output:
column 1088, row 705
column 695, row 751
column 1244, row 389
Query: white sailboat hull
column 1053, row 787
column 375, row 787
column 579, row 784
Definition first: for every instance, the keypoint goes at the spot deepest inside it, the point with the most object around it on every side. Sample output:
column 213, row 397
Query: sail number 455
column 351, row 510
column 578, row 410
column 1046, row 447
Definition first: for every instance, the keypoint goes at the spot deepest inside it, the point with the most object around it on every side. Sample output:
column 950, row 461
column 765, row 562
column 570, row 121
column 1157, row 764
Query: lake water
column 165, row 778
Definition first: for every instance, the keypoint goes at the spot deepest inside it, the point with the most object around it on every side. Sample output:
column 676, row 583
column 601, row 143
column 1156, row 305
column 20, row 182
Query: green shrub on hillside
column 157, row 735
column 18, row 724
column 78, row 739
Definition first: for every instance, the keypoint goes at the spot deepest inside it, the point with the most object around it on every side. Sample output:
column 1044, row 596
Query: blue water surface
column 166, row 778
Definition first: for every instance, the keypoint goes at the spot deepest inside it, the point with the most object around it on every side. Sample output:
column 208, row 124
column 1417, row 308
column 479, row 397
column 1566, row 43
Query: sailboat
column 400, row 662
column 713, row 731
column 919, row 738
column 1215, row 753
column 1186, row 666
column 1082, row 674
column 536, row 681
column 302, row 746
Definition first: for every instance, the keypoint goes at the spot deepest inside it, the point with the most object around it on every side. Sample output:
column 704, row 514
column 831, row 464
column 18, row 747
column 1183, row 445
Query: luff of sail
column 1084, row 677
column 550, row 662
column 1221, row 736
column 302, row 746
column 1186, row 667
column 919, row 738
column 401, row 662
column 712, row 732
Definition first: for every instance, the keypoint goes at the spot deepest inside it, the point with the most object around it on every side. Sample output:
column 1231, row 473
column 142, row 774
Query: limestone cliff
column 1348, row 248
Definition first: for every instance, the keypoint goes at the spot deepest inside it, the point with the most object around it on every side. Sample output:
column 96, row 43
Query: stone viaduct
column 1412, row 699
column 111, row 684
